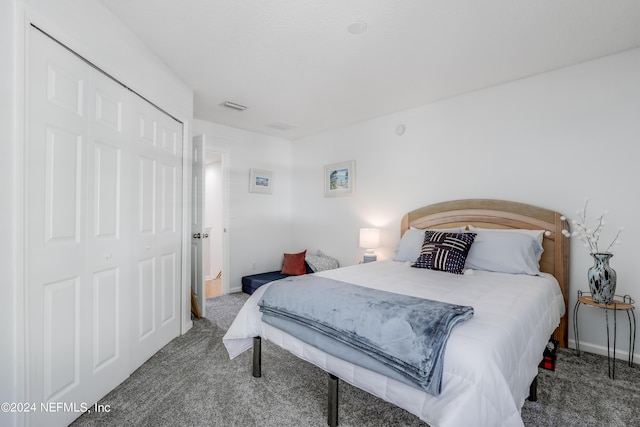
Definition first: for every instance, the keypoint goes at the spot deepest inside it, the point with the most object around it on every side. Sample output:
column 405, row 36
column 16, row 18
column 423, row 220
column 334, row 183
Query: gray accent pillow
column 515, row 253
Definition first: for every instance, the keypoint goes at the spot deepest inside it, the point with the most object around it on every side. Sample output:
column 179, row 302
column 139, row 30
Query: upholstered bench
column 294, row 264
column 253, row 282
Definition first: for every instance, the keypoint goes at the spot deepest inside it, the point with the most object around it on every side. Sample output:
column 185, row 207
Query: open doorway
column 213, row 250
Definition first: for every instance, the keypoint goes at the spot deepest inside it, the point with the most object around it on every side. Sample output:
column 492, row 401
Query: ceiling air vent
column 233, row 106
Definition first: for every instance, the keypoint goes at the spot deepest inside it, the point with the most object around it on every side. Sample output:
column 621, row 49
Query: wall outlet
column 253, row 265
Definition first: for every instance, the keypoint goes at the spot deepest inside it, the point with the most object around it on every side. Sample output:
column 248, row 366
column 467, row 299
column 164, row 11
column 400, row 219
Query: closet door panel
column 146, row 307
column 65, row 84
column 56, row 182
column 63, row 179
column 169, row 137
column 61, row 337
column 170, row 223
column 169, row 288
column 147, row 195
column 146, row 132
column 107, row 260
column 145, row 247
column 107, row 312
column 109, row 111
column 107, row 191
column 156, row 243
column 169, row 204
column 76, row 247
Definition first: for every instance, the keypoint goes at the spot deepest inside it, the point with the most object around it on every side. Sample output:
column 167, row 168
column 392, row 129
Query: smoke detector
column 357, row 28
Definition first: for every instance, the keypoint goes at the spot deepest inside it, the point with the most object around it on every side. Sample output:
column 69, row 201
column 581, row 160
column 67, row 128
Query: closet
column 103, row 172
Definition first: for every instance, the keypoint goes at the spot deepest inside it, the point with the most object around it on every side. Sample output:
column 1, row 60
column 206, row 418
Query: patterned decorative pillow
column 321, row 262
column 412, row 240
column 294, row 264
column 444, row 251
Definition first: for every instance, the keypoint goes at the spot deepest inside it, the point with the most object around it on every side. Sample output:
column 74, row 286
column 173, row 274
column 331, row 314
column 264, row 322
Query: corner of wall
column 9, row 362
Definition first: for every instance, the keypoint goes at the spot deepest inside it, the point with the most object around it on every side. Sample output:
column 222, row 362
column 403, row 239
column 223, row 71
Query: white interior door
column 217, row 212
column 77, row 237
column 199, row 238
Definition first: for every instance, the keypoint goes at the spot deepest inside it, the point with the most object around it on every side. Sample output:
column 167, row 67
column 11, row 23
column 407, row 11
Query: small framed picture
column 260, row 181
column 340, row 179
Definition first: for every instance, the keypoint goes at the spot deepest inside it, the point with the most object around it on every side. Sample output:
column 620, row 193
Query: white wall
column 259, row 229
column 8, row 360
column 550, row 140
column 90, row 29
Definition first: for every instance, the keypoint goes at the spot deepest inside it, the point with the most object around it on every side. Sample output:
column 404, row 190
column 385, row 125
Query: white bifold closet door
column 103, row 176
column 156, row 235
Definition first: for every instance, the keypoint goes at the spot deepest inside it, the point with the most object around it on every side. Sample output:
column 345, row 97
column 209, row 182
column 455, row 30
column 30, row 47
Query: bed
column 491, row 361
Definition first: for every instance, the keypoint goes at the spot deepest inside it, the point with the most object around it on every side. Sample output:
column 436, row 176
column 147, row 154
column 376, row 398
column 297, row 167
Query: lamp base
column 369, row 258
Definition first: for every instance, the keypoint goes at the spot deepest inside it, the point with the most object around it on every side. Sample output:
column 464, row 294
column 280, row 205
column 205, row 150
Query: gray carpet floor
column 192, row 382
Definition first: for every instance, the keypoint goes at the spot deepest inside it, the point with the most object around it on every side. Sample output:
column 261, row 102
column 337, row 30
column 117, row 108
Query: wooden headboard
column 488, row 213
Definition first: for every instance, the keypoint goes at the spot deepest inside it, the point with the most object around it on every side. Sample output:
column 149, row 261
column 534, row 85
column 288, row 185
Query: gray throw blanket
column 407, row 334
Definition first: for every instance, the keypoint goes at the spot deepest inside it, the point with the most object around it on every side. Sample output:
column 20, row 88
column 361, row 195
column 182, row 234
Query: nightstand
column 619, row 303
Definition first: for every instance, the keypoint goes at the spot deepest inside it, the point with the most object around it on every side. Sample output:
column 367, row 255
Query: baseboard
column 601, row 350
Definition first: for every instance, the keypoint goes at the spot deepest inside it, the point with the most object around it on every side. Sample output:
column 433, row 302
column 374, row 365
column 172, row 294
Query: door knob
column 205, row 236
column 196, row 236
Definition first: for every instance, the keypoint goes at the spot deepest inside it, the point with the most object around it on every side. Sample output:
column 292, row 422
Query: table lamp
column 369, row 240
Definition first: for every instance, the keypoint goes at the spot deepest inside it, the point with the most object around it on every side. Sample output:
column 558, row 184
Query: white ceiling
column 294, row 62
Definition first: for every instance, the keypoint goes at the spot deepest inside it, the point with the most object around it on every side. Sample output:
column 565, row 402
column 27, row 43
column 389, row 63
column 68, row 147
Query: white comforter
column 490, row 360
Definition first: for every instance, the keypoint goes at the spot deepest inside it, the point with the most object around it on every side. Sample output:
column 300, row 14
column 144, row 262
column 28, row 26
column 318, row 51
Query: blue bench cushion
column 253, row 282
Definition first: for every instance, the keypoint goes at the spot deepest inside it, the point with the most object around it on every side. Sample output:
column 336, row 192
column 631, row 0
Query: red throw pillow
column 294, row 264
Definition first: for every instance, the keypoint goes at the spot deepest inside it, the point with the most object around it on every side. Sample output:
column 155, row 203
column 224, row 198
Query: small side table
column 619, row 303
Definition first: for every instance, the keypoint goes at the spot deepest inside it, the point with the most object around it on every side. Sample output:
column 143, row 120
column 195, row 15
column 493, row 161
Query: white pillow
column 515, row 253
column 411, row 243
column 537, row 234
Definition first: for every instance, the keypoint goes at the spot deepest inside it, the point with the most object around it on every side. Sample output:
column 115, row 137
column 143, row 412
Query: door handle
column 205, row 236
column 196, row 236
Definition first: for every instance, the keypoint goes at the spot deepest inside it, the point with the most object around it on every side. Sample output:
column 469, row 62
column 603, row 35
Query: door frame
column 185, row 305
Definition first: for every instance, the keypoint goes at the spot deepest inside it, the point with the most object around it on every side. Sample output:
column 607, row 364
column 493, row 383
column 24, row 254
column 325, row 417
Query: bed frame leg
column 533, row 390
column 257, row 357
column 332, row 418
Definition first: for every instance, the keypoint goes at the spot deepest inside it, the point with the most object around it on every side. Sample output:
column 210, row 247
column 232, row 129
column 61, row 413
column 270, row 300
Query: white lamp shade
column 369, row 238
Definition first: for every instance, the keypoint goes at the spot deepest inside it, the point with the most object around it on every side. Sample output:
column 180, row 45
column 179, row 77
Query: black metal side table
column 619, row 303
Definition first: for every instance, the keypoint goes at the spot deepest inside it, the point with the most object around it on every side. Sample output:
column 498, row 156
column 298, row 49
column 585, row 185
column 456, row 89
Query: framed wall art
column 260, row 181
column 340, row 179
